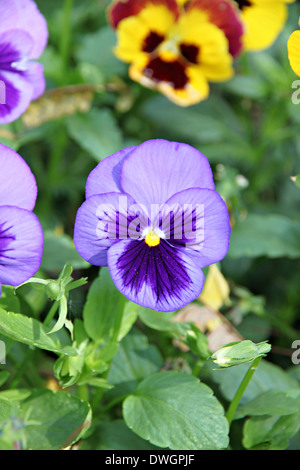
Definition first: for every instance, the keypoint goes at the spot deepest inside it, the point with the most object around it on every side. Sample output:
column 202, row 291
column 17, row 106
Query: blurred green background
column 248, row 129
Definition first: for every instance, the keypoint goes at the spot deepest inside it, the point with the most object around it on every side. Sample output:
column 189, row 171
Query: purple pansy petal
column 23, row 37
column 17, row 183
column 158, row 169
column 15, row 46
column 18, row 93
column 21, row 245
column 163, row 278
column 24, row 14
column 105, row 178
column 34, row 73
column 213, row 224
column 178, row 225
column 101, row 221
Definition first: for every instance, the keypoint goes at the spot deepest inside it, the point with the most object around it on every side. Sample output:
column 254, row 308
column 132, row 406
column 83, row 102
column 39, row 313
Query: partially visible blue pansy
column 153, row 216
column 23, row 37
column 21, row 235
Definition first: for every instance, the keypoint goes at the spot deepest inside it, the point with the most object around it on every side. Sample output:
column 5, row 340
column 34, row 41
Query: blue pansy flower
column 21, row 235
column 23, row 37
column 152, row 215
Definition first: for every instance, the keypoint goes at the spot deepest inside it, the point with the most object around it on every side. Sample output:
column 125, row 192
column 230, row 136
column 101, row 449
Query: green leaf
column 62, row 316
column 130, row 315
column 173, row 409
column 53, row 420
column 96, row 49
column 67, row 369
column 60, row 250
column 270, row 69
column 99, row 382
column 5, row 410
column 268, row 376
column 15, row 394
column 185, row 332
column 272, row 403
column 104, row 304
column 59, row 291
column 270, row 432
column 9, row 300
column 96, row 132
column 198, row 126
column 247, row 86
column 115, row 435
column 265, row 235
column 92, row 359
column 30, row 331
column 161, row 321
column 134, row 361
column 3, row 377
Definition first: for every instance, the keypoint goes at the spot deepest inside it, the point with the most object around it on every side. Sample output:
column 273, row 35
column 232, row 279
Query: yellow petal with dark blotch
column 214, row 59
column 133, row 31
column 196, row 89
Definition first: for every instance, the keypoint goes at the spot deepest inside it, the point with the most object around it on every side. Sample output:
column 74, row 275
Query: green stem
column 28, row 356
column 53, row 171
column 51, row 313
column 281, row 326
column 111, row 404
column 197, row 367
column 240, row 392
column 83, row 392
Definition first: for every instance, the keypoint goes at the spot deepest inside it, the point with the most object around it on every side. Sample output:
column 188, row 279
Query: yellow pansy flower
column 294, row 51
column 263, row 20
column 175, row 50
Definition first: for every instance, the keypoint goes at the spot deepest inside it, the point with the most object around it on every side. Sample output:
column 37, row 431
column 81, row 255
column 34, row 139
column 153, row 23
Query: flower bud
column 240, row 352
column 53, row 290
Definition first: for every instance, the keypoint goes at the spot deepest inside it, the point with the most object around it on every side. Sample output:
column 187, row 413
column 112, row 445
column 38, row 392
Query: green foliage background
column 108, row 355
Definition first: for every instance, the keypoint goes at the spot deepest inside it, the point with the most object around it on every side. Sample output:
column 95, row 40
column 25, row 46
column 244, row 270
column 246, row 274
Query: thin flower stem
column 33, row 280
column 284, row 328
column 197, row 367
column 28, row 356
column 53, row 170
column 240, row 392
column 65, row 40
column 83, row 392
column 51, row 312
column 111, row 404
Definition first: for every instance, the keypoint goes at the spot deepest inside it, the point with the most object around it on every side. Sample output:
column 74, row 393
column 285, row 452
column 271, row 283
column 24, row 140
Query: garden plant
column 149, row 225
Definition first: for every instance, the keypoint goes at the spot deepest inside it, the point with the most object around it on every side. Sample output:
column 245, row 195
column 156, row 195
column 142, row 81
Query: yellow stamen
column 152, row 239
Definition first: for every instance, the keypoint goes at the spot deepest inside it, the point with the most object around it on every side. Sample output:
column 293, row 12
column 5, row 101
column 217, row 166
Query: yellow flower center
column 152, row 239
